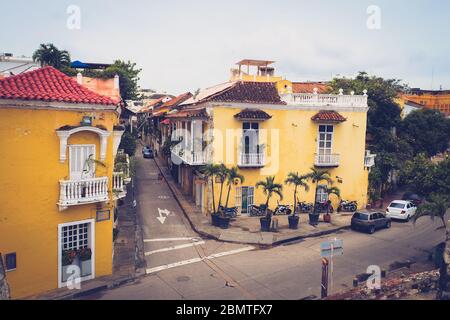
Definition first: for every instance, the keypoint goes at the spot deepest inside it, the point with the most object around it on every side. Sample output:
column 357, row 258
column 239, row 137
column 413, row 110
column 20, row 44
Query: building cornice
column 43, row 105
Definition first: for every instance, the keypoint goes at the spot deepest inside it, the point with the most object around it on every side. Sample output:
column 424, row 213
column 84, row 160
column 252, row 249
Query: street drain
column 183, row 279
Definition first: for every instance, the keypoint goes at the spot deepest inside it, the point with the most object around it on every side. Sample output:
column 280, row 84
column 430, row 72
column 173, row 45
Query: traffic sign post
column 329, row 249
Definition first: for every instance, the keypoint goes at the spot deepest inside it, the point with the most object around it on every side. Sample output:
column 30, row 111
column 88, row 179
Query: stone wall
column 444, row 282
column 4, row 288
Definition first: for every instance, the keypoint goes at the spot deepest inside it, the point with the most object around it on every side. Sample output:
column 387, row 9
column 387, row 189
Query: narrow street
column 180, row 265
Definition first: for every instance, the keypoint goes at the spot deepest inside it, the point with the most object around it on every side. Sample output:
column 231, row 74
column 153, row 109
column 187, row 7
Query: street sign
column 332, row 248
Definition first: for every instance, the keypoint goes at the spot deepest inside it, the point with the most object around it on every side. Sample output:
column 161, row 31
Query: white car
column 401, row 210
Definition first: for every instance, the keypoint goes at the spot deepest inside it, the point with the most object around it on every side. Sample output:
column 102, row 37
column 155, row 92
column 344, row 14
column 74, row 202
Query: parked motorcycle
column 324, row 207
column 229, row 212
column 305, row 207
column 347, row 206
column 282, row 209
column 257, row 211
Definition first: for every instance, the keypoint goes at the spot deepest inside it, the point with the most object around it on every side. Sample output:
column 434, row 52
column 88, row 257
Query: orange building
column 431, row 99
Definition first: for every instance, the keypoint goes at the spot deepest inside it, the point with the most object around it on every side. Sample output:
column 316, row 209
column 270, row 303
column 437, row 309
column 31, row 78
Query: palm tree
column 436, row 207
column 232, row 176
column 222, row 172
column 298, row 181
column 49, row 55
column 269, row 188
column 318, row 176
column 210, row 170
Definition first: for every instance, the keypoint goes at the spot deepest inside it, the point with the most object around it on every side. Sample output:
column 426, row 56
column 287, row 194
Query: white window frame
column 62, row 284
column 322, row 187
column 256, row 135
column 318, row 140
column 70, row 158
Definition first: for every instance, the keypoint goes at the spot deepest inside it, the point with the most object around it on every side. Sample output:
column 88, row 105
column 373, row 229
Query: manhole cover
column 183, row 279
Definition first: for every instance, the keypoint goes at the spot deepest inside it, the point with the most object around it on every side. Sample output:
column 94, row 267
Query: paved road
column 182, row 266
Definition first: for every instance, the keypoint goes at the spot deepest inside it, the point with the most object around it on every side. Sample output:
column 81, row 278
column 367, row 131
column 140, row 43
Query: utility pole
column 324, row 286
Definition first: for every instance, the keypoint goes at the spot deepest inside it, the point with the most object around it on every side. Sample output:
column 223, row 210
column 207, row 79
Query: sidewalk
column 128, row 263
column 246, row 230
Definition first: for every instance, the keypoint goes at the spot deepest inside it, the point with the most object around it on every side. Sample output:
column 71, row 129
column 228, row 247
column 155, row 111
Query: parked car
column 370, row 221
column 412, row 197
column 401, row 210
column 147, row 153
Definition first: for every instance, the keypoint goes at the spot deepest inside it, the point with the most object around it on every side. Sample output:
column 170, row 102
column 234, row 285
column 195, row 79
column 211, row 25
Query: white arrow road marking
column 161, row 212
column 195, row 260
column 172, row 239
column 182, row 246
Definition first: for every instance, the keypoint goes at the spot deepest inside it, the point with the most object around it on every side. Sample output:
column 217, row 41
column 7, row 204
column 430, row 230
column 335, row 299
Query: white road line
column 195, row 260
column 182, row 246
column 171, row 239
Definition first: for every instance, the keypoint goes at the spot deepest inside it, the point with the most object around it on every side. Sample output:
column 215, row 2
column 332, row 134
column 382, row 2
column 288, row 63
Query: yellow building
column 58, row 187
column 266, row 131
column 429, row 99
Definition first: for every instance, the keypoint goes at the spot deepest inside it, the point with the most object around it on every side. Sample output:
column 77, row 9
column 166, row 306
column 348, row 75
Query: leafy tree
column 442, row 177
column 50, row 55
column 270, row 188
column 419, row 174
column 299, row 181
column 426, row 130
column 128, row 78
column 333, row 191
column 435, row 208
column 128, row 143
column 233, row 175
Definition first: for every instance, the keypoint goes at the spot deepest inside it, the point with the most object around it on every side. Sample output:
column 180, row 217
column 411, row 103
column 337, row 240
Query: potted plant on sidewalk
column 210, row 171
column 298, row 181
column 233, row 178
column 269, row 188
column 317, row 176
column 330, row 191
column 85, row 256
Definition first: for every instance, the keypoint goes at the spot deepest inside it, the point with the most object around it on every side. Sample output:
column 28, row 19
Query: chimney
column 116, row 81
column 79, row 78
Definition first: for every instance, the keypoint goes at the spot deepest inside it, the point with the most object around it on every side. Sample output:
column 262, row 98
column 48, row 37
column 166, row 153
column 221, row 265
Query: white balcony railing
column 326, row 160
column 76, row 192
column 188, row 156
column 251, row 160
column 369, row 160
column 318, row 100
column 119, row 189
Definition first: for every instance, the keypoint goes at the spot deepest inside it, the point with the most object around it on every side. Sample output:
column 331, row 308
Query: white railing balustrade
column 190, row 157
column 74, row 192
column 326, row 160
column 118, row 183
column 251, row 159
column 311, row 99
column 369, row 160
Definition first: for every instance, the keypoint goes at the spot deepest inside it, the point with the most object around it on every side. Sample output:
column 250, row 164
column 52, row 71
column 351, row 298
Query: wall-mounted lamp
column 87, row 121
column 339, row 179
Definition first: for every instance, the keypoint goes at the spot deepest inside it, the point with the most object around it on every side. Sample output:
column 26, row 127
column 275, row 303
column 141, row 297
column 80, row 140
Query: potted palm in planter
column 85, row 256
column 210, row 171
column 233, row 178
column 269, row 188
column 330, row 191
column 317, row 176
column 298, row 181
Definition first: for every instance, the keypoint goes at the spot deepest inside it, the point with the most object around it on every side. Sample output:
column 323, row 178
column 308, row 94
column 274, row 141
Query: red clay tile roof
column 247, row 92
column 308, row 87
column 176, row 101
column 252, row 114
column 328, row 116
column 189, row 113
column 50, row 85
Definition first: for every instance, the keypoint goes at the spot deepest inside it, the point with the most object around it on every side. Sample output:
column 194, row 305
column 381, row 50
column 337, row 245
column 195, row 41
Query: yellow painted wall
column 29, row 189
column 297, row 143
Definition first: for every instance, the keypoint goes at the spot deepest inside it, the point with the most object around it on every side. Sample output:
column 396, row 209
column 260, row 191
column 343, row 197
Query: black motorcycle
column 257, row 211
column 305, row 207
column 282, row 210
column 324, row 207
column 348, row 206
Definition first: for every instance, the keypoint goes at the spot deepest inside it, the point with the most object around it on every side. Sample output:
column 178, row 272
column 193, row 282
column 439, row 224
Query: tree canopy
column 50, row 55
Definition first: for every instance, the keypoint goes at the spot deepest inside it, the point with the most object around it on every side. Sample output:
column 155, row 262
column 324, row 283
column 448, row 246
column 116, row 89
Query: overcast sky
column 189, row 44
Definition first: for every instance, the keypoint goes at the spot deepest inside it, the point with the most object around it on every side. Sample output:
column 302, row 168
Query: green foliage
column 436, row 207
column 210, row 171
column 299, row 181
column 129, row 77
column 427, row 131
column 233, row 176
column 128, row 143
column 419, row 174
column 50, row 55
column 270, row 188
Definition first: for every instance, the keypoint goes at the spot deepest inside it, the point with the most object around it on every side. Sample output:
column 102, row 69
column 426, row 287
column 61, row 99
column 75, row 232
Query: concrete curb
column 259, row 243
